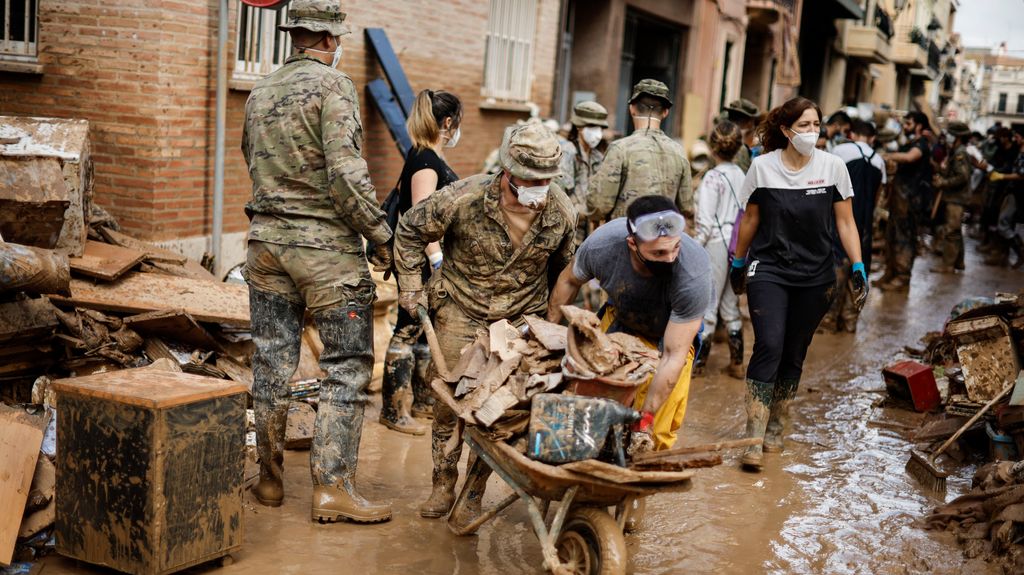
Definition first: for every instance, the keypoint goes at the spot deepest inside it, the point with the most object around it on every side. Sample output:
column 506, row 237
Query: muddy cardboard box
column 987, row 355
column 149, row 470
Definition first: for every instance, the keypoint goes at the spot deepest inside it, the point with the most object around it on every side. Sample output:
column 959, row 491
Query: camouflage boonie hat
column 530, row 152
column 316, row 16
column 743, row 107
column 958, row 129
column 589, row 114
column 651, row 88
column 885, row 135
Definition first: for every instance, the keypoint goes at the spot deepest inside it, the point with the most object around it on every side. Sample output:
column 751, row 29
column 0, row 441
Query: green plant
column 918, row 37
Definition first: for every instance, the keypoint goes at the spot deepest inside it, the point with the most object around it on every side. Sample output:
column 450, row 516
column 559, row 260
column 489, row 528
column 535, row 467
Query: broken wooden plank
column 153, row 253
column 616, row 474
column 175, row 325
column 236, row 371
column 706, row 447
column 21, row 435
column 24, row 321
column 106, row 261
column 139, row 292
column 33, row 270
column 681, row 462
column 496, row 405
column 190, row 269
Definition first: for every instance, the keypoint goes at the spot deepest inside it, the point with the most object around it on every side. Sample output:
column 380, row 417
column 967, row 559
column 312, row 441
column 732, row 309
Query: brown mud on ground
column 836, row 501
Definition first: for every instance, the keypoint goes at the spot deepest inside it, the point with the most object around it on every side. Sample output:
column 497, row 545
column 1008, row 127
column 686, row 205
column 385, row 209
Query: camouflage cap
column 316, row 16
column 651, row 87
column 589, row 114
column 530, row 152
column 958, row 129
column 743, row 107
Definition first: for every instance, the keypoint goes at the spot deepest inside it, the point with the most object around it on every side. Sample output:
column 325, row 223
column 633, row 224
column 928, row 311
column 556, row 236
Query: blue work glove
column 738, row 275
column 858, row 285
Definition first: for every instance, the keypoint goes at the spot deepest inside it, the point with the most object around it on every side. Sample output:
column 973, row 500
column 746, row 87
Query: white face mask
column 337, row 54
column 950, row 139
column 591, row 135
column 532, row 197
column 804, row 143
column 892, row 146
column 453, row 140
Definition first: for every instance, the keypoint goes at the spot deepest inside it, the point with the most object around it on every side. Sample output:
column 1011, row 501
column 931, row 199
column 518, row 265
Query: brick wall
column 143, row 74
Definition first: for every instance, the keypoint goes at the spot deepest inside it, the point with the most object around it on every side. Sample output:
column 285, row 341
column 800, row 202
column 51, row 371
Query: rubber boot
column 347, row 334
column 1000, row 256
column 470, row 506
column 778, row 418
column 445, row 471
column 736, row 369
column 396, row 391
column 276, row 331
column 758, row 401
column 701, row 361
column 422, row 394
column 1017, row 245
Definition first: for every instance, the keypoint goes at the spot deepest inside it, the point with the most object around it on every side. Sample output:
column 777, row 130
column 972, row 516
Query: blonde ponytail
column 422, row 126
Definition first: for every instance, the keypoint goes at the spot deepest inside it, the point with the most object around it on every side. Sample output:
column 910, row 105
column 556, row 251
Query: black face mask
column 661, row 270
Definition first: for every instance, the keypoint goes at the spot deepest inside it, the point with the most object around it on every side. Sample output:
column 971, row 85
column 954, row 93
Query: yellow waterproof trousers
column 669, row 417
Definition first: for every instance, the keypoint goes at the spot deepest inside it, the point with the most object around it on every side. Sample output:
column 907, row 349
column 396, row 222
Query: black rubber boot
column 422, row 394
column 701, row 361
column 445, row 472
column 276, row 332
column 396, row 391
column 470, row 503
column 758, row 402
column 347, row 333
column 736, row 369
column 778, row 418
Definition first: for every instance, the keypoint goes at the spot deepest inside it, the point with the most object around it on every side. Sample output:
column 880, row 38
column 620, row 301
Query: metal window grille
column 261, row 48
column 19, row 27
column 508, row 60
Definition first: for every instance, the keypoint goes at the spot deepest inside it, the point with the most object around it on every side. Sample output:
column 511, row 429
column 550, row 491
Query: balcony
column 909, row 50
column 867, row 42
column 768, row 12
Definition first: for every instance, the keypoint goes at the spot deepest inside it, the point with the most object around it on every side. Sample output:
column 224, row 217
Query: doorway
column 650, row 49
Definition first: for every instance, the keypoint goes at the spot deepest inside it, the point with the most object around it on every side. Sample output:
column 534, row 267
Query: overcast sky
column 986, row 23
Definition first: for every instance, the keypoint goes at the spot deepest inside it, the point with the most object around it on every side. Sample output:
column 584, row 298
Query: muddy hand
column 738, row 275
column 410, row 300
column 639, row 442
column 382, row 257
column 858, row 285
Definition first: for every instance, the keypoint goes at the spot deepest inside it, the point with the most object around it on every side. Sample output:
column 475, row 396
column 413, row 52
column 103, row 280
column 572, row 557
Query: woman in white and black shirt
column 796, row 198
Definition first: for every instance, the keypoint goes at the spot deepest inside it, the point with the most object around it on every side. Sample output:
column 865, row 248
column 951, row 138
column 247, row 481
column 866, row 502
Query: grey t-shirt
column 645, row 305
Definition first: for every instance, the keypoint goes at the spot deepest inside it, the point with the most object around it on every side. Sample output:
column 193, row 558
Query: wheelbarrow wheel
column 591, row 543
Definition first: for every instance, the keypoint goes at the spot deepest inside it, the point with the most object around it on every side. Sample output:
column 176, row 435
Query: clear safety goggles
column 650, row 227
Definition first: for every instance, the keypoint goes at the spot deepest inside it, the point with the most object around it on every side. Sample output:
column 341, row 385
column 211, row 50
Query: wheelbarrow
column 583, row 537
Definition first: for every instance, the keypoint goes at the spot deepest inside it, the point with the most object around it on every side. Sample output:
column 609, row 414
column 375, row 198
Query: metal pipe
column 218, row 154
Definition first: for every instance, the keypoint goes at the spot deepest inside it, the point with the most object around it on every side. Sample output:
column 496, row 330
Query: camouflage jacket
column 302, row 141
column 482, row 272
column 644, row 163
column 953, row 177
column 743, row 158
column 577, row 173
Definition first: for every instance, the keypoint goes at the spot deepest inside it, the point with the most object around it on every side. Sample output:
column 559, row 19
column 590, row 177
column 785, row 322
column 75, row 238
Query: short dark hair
column 862, row 128
column 839, row 117
column 920, row 119
column 649, row 205
column 648, row 102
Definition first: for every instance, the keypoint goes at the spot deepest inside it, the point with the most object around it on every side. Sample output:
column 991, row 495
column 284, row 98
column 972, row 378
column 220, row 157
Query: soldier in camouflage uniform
column 582, row 153
column 952, row 181
column 644, row 163
column 744, row 114
column 501, row 234
column 311, row 202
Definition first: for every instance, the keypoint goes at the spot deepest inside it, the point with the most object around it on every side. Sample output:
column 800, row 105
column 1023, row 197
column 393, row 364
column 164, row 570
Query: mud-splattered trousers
column 901, row 233
column 284, row 281
column 784, row 319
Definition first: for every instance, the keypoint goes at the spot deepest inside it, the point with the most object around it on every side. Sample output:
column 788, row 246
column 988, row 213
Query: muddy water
column 836, row 501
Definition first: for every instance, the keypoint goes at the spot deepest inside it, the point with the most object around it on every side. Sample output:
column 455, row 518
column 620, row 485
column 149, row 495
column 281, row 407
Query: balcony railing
column 883, row 22
column 933, row 56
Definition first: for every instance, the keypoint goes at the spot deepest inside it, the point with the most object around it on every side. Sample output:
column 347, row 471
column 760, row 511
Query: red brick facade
column 143, row 74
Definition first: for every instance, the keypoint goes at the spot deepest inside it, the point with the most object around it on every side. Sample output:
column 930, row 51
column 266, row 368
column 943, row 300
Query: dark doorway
column 650, row 49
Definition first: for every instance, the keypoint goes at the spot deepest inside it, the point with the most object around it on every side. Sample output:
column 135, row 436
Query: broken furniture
column 149, row 470
column 987, row 355
column 912, row 382
column 20, row 438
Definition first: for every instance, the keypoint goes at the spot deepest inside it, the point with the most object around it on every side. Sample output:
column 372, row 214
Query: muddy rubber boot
column 736, row 369
column 1000, row 255
column 422, row 395
column 347, row 334
column 778, row 417
column 396, row 391
column 276, row 332
column 445, row 472
column 1017, row 245
column 701, row 361
column 758, row 400
column 470, row 506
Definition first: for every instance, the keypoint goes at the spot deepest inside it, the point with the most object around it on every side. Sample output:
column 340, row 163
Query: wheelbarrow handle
column 435, row 346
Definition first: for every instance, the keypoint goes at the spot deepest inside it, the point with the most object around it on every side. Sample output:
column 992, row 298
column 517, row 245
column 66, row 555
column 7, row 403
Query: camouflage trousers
column 344, row 317
column 952, row 243
column 900, row 237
